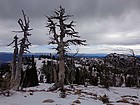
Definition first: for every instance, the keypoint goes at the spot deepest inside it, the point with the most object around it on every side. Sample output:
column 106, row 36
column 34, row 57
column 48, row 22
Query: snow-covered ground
column 79, row 96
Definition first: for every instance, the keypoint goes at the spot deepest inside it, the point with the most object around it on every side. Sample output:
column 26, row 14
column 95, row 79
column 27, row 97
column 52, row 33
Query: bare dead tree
column 15, row 54
column 63, row 35
column 24, row 46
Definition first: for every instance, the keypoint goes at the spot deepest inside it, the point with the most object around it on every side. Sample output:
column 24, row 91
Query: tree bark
column 18, row 71
column 55, row 75
column 61, row 72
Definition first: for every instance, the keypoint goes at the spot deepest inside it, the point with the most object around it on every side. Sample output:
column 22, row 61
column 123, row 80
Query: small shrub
column 5, row 85
column 104, row 98
column 77, row 92
column 62, row 93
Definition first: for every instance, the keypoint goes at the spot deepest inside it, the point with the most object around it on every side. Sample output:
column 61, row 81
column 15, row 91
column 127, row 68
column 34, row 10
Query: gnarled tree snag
column 23, row 47
column 15, row 53
column 60, row 32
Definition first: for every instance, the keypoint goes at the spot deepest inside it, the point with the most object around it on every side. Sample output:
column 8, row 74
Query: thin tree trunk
column 18, row 71
column 55, row 75
column 15, row 53
column 14, row 67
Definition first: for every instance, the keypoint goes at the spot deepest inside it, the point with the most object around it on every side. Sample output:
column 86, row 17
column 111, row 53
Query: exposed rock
column 109, row 104
column 48, row 101
column 123, row 101
column 129, row 96
column 31, row 93
column 77, row 101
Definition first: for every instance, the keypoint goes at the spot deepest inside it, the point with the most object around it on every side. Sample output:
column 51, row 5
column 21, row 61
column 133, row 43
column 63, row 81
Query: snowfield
column 80, row 95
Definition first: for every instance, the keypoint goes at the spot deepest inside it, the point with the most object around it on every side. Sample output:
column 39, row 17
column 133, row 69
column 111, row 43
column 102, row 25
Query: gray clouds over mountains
column 100, row 22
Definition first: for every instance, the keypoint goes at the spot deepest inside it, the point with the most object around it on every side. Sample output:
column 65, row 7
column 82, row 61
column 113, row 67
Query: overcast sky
column 107, row 25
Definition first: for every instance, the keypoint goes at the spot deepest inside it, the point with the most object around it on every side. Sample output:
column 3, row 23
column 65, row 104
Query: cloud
column 100, row 22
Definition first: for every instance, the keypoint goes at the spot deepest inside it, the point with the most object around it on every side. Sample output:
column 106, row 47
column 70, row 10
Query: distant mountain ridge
column 5, row 56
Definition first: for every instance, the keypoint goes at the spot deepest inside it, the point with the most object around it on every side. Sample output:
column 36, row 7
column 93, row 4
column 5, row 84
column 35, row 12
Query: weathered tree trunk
column 18, row 71
column 24, row 45
column 55, row 75
column 14, row 64
column 61, row 64
column 15, row 54
column 61, row 72
column 14, row 61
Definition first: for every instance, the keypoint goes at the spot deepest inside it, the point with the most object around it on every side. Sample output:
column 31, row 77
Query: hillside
column 79, row 95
